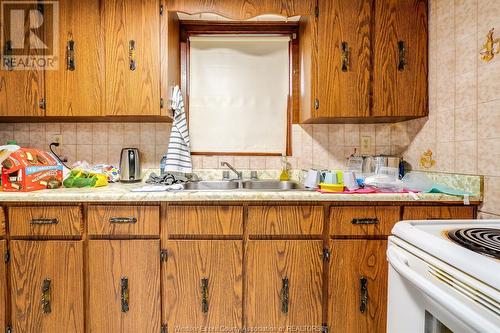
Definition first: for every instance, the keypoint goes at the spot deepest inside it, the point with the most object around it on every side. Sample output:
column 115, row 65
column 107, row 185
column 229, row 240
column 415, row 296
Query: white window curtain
column 238, row 93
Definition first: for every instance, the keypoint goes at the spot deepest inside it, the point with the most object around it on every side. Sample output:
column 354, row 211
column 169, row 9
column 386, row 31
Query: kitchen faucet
column 225, row 174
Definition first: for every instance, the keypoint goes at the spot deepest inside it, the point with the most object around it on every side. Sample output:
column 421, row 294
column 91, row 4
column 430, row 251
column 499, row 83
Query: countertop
column 121, row 193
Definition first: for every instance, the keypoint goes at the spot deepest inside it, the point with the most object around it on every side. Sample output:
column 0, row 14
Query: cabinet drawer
column 285, row 220
column 2, row 223
column 205, row 220
column 438, row 212
column 124, row 220
column 363, row 220
column 48, row 221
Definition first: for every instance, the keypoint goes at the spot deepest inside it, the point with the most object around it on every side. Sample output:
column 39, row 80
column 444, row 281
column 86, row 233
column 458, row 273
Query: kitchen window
column 239, row 92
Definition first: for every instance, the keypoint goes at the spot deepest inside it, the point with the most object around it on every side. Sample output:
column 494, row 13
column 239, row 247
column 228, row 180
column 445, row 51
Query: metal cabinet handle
column 366, row 220
column 284, row 295
column 402, row 55
column 70, row 55
column 46, row 296
column 123, row 220
column 131, row 55
column 125, row 294
column 345, row 56
column 44, row 221
column 204, row 295
column 363, row 294
column 7, row 56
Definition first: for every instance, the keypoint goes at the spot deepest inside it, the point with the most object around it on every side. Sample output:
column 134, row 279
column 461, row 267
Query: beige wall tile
column 466, row 123
column 84, row 134
column 84, row 153
column 351, row 137
column 148, row 134
column 445, row 127
column 99, row 154
column 131, row 135
column 241, row 162
column 489, row 82
column 114, row 154
column 100, row 133
column 445, row 156
column 488, row 154
column 489, row 120
column 115, row 136
column 258, row 163
column 465, row 17
column 466, row 157
column 273, row 163
column 68, row 131
column 466, row 90
column 335, row 134
column 488, row 16
column 466, row 54
column 210, row 162
column 491, row 198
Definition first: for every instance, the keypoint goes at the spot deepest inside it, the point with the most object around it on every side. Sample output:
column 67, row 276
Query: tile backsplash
column 318, row 146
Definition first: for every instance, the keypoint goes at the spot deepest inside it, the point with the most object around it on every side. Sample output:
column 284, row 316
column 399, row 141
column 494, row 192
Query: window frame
column 290, row 29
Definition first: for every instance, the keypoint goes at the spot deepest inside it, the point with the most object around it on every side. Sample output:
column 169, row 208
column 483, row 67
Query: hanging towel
column 179, row 150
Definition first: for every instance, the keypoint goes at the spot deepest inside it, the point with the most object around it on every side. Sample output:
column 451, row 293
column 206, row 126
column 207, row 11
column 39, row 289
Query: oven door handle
column 461, row 311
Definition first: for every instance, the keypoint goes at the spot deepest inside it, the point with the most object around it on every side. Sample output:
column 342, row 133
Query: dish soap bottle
column 285, row 169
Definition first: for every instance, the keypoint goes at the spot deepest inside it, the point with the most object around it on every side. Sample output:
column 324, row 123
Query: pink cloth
column 361, row 191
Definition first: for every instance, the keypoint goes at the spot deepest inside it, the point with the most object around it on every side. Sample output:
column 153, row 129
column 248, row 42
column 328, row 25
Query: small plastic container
column 332, row 187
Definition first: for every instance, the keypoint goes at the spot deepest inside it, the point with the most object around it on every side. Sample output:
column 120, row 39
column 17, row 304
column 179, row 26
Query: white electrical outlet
column 366, row 145
column 58, row 138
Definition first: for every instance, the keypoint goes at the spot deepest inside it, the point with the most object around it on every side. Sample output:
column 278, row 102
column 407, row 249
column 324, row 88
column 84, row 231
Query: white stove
column 444, row 276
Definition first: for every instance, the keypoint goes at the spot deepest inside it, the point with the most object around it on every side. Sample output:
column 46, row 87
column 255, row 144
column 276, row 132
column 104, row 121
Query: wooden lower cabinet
column 283, row 285
column 202, row 285
column 357, row 294
column 124, row 286
column 47, row 286
column 3, row 286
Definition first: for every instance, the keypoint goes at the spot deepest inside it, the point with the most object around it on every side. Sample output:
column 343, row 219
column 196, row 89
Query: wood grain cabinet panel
column 344, row 48
column 132, row 65
column 400, row 58
column 20, row 90
column 438, row 212
column 204, row 220
column 45, row 221
column 2, row 223
column 363, row 220
column 3, row 286
column 352, row 261
column 47, row 286
column 284, row 284
column 123, row 220
column 76, row 88
column 124, row 286
column 202, row 284
column 243, row 9
column 285, row 220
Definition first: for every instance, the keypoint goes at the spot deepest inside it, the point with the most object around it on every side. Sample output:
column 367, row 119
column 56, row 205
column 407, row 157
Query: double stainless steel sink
column 256, row 185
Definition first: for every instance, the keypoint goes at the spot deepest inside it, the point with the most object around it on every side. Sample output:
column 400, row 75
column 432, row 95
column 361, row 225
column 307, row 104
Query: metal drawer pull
column 46, row 296
column 124, row 294
column 44, row 221
column 363, row 294
column 345, row 56
column 122, row 220
column 402, row 55
column 131, row 55
column 70, row 56
column 284, row 295
column 366, row 220
column 204, row 295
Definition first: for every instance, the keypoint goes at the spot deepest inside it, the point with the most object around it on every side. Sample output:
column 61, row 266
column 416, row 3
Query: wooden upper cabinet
column 284, row 284
column 202, row 284
column 76, row 88
column 132, row 41
column 357, row 293
column 47, row 286
column 124, row 286
column 400, row 58
column 21, row 90
column 345, row 59
column 3, row 286
column 243, row 9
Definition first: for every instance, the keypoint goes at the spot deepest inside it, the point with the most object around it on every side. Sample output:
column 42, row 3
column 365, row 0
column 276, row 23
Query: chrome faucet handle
column 253, row 175
column 225, row 175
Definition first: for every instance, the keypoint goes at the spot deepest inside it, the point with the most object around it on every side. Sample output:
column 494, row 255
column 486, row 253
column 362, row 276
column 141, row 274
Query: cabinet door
column 3, row 285
column 124, row 286
column 20, row 90
column 76, row 87
column 47, row 286
column 284, row 283
column 357, row 294
column 400, row 58
column 344, row 47
column 202, row 284
column 132, row 39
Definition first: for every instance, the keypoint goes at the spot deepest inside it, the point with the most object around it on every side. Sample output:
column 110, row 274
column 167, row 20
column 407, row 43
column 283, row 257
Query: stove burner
column 482, row 240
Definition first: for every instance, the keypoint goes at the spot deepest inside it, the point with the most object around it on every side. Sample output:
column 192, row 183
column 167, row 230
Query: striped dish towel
column 179, row 151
